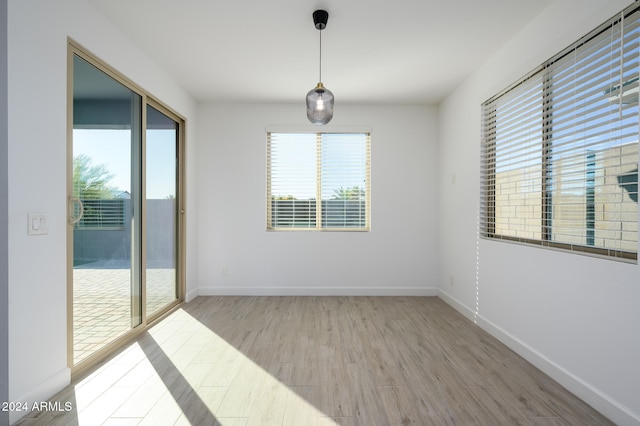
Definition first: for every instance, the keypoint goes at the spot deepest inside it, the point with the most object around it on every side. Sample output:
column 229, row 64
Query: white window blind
column 560, row 148
column 303, row 168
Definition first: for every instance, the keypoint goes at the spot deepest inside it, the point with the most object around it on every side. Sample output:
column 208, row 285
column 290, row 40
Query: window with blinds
column 560, row 148
column 318, row 181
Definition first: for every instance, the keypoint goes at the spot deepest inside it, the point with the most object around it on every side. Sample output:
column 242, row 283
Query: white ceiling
column 374, row 51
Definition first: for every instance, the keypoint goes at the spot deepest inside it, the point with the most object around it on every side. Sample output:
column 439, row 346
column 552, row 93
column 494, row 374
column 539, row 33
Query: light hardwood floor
column 317, row 361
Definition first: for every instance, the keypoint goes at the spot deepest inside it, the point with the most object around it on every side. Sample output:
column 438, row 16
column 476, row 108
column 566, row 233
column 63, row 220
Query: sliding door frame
column 180, row 209
column 75, row 49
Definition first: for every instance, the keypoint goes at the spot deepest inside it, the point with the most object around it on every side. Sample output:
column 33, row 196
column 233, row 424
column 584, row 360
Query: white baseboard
column 460, row 307
column 317, row 291
column 606, row 405
column 192, row 294
column 43, row 392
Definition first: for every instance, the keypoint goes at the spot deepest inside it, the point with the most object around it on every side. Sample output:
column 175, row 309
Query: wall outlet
column 224, row 271
column 451, row 279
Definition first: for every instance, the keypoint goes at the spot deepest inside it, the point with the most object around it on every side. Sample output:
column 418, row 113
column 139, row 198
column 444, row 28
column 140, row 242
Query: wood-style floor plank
column 317, row 361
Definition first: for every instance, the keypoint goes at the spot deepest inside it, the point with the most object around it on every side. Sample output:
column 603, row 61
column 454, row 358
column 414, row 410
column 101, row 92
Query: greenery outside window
column 333, row 168
column 104, row 206
column 560, row 148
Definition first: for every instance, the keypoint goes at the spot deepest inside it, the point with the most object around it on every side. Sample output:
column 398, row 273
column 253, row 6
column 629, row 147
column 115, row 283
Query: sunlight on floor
column 183, row 373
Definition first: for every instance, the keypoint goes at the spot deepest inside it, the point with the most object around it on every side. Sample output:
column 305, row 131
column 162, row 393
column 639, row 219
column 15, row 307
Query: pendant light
column 320, row 99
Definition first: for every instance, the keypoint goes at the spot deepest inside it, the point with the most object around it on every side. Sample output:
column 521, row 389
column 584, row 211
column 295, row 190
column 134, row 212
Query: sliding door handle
column 73, row 203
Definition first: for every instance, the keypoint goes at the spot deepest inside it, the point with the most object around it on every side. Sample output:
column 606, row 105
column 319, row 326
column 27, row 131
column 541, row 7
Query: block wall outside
column 613, row 211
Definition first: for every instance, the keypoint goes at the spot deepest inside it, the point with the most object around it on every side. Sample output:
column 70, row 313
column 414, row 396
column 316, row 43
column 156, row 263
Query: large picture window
column 318, row 181
column 560, row 148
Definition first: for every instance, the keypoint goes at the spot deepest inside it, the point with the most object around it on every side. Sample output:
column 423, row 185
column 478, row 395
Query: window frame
column 488, row 172
column 319, row 217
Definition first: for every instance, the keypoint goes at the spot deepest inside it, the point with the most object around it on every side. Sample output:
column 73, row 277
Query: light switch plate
column 38, row 224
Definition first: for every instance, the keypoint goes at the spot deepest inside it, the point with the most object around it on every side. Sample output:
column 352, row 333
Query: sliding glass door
column 124, row 215
column 161, row 210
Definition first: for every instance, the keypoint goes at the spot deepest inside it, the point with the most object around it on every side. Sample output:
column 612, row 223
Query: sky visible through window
column 112, row 149
column 588, row 112
column 293, row 160
column 294, row 164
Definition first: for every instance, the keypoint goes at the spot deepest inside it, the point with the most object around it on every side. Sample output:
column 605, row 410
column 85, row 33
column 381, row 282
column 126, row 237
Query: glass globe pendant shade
column 320, row 105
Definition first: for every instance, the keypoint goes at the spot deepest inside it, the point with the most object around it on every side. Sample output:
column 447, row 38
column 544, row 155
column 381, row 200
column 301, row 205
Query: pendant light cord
column 320, row 56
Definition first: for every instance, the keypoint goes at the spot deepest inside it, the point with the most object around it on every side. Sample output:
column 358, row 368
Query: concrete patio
column 102, row 304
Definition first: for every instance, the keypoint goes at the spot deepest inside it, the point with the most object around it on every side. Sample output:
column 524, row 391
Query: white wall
column 396, row 257
column 37, row 116
column 576, row 317
column 4, row 255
